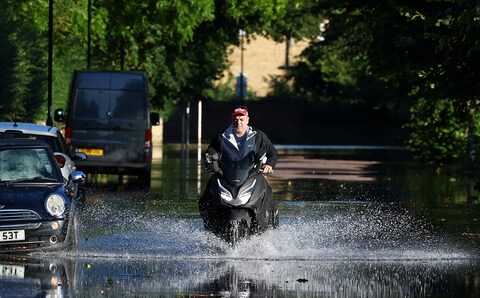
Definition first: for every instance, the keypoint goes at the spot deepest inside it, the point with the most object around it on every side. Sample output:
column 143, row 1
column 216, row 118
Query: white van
column 108, row 118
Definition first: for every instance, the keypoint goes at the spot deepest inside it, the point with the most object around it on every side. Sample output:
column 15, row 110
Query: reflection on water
column 404, row 232
column 120, row 277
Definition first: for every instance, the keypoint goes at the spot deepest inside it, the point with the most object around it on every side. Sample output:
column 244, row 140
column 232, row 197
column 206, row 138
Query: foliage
column 452, row 31
column 181, row 45
column 222, row 91
column 22, row 63
column 442, row 137
column 401, row 55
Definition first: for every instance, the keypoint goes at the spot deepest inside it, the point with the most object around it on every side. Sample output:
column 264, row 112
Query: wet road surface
column 338, row 237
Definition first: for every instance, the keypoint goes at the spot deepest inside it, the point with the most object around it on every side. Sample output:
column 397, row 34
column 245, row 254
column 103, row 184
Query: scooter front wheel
column 236, row 230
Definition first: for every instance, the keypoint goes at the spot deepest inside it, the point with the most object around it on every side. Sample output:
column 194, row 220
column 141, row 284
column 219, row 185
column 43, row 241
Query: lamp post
column 242, row 84
column 89, row 31
column 50, row 57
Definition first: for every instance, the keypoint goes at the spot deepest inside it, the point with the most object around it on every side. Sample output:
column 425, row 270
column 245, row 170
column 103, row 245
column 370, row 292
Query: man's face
column 240, row 123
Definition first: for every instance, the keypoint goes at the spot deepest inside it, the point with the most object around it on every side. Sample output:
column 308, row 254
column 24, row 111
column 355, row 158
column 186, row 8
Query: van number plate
column 12, row 235
column 90, row 151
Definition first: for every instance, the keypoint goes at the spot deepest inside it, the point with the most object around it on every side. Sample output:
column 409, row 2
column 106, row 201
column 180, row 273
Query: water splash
column 354, row 231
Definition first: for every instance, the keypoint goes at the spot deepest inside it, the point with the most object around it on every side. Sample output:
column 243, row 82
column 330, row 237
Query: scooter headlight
column 224, row 193
column 55, row 205
column 242, row 197
column 245, row 194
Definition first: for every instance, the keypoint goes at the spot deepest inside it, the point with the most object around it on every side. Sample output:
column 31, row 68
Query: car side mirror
column 77, row 177
column 59, row 116
column 155, row 118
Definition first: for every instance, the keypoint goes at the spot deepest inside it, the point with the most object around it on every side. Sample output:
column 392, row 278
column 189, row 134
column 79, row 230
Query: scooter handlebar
column 265, row 173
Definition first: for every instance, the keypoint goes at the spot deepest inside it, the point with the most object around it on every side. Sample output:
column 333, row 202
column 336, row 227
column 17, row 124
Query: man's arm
column 213, row 148
column 270, row 153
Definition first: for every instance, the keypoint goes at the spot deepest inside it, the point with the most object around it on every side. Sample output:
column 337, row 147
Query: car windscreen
column 27, row 164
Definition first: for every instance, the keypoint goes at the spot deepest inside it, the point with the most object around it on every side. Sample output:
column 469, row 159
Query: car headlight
column 55, row 205
column 242, row 197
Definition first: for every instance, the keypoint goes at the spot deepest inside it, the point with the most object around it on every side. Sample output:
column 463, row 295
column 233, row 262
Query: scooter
column 238, row 201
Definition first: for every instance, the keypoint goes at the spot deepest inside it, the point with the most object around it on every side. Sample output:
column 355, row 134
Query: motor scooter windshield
column 236, row 171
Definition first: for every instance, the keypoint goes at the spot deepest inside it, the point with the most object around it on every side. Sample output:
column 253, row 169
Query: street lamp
column 89, row 31
column 241, row 80
column 50, row 57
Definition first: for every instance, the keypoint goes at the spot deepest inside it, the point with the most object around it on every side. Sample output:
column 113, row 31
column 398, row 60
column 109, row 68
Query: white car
column 48, row 134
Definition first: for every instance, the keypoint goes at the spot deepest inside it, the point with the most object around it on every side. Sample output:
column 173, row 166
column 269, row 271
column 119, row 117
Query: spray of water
column 358, row 232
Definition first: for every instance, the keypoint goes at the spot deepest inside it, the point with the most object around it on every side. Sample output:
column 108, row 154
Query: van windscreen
column 128, row 105
column 91, row 104
column 109, row 104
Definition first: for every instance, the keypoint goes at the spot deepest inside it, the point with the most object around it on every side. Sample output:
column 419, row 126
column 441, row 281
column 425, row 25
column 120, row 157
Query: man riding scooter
column 238, row 154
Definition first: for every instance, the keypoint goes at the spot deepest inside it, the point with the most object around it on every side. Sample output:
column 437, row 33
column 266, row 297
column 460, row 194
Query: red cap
column 240, row 111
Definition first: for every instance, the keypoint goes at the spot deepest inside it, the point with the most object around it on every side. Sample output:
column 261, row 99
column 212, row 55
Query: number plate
column 12, row 235
column 90, row 151
column 12, row 271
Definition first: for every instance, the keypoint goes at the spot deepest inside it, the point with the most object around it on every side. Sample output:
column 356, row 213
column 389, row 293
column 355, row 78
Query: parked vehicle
column 48, row 134
column 37, row 206
column 108, row 118
column 238, row 201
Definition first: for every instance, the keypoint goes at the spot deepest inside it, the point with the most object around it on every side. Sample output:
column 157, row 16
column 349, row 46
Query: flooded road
column 356, row 226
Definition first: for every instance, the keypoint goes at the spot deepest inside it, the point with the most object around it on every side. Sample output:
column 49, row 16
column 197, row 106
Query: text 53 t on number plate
column 12, row 235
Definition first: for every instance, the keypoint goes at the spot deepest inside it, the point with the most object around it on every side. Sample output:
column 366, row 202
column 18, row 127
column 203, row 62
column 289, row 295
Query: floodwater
column 354, row 222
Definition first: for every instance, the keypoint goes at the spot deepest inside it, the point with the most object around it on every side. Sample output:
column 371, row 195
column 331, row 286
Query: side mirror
column 59, row 116
column 213, row 153
column 155, row 118
column 79, row 156
column 77, row 177
column 215, row 156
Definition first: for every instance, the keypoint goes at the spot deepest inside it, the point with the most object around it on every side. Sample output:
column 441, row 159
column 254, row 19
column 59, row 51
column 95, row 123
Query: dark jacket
column 263, row 145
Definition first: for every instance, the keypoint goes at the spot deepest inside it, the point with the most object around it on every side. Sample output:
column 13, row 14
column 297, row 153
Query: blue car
column 37, row 206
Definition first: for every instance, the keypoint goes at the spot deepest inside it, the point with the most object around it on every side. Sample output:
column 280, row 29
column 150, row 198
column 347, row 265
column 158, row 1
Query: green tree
column 181, row 45
column 400, row 55
column 24, row 49
column 22, row 63
column 453, row 28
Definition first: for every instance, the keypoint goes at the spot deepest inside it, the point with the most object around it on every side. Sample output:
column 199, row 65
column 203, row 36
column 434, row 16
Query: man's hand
column 266, row 169
column 208, row 158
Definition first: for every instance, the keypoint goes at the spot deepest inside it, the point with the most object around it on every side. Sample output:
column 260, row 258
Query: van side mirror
column 59, row 116
column 79, row 156
column 155, row 118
